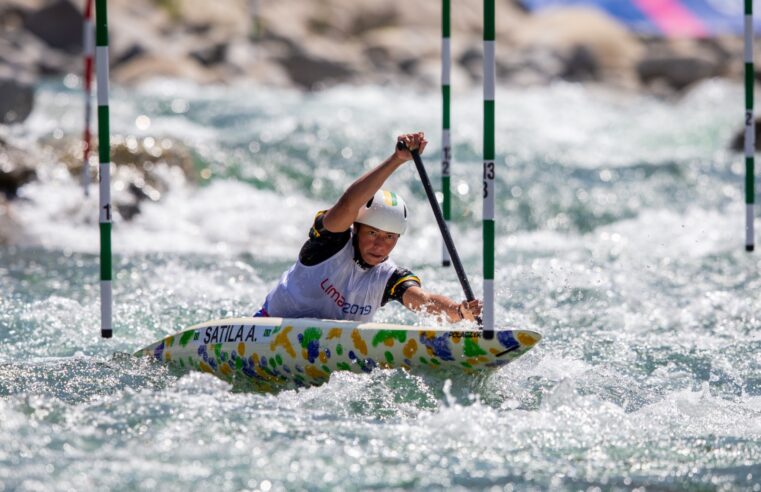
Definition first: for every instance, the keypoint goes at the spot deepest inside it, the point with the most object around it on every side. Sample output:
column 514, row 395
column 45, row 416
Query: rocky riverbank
column 314, row 45
column 311, row 45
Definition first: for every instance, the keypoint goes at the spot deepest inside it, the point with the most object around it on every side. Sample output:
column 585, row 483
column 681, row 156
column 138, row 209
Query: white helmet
column 385, row 211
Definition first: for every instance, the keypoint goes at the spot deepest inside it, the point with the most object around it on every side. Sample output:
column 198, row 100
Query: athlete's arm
column 341, row 215
column 417, row 299
column 398, row 283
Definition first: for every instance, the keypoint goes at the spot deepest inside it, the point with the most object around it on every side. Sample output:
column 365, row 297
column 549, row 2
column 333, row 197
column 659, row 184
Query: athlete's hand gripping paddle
column 444, row 230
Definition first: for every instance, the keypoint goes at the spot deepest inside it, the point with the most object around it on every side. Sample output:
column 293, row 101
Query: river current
column 620, row 238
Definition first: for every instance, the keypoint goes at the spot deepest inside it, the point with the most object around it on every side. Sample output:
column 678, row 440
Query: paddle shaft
column 442, row 225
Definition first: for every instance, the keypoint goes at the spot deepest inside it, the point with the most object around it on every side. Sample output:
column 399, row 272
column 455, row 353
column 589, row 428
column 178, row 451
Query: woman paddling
column 344, row 270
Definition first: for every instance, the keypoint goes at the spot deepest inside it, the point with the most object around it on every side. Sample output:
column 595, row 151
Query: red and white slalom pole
column 88, row 45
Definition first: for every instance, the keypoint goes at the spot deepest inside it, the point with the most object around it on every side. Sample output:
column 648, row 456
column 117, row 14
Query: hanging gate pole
column 489, row 168
column 750, row 129
column 104, row 176
column 88, row 43
column 446, row 145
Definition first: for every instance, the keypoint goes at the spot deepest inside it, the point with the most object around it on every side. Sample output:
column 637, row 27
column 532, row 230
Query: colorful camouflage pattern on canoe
column 271, row 353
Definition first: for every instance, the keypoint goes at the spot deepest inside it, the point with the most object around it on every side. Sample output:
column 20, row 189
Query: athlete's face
column 374, row 244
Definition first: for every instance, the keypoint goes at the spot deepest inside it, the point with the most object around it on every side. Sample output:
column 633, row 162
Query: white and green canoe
column 275, row 352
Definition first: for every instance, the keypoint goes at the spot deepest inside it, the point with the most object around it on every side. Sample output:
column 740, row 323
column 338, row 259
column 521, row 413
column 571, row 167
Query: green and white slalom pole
column 104, row 175
column 750, row 129
column 446, row 144
column 489, row 171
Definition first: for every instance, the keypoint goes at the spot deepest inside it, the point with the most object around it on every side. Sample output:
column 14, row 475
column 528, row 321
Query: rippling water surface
column 620, row 233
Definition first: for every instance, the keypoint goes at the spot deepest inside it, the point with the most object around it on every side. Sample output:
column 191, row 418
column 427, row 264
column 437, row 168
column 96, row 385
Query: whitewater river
column 620, row 229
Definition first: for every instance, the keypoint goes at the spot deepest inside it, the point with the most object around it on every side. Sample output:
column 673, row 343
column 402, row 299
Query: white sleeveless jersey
column 337, row 288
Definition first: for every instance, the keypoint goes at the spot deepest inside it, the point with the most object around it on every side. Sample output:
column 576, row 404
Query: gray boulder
column 677, row 71
column 22, row 50
column 16, row 169
column 209, row 55
column 311, row 72
column 16, row 96
column 59, row 24
column 581, row 65
column 681, row 63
